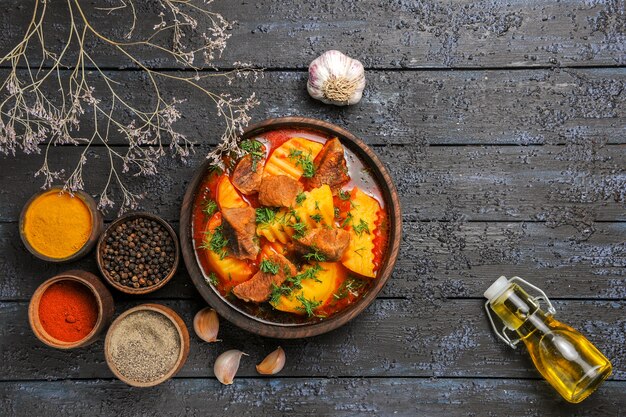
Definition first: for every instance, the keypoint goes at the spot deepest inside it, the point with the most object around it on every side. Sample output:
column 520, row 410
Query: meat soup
column 294, row 231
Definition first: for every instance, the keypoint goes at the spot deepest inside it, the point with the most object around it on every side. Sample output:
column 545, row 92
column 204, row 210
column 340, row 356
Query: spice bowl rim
column 141, row 290
column 266, row 328
column 98, row 290
column 181, row 330
column 97, row 225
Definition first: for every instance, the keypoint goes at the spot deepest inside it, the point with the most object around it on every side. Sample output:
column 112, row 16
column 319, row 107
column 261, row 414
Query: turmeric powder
column 57, row 225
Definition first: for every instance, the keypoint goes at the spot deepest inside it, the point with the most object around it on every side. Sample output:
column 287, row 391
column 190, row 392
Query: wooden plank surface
column 417, row 108
column 548, row 77
column 404, row 397
column 400, row 338
column 437, row 260
column 573, row 185
column 388, row 34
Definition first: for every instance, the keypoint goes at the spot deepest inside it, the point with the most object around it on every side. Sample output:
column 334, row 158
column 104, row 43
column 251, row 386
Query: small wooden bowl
column 105, row 235
column 97, row 288
column 288, row 331
column 97, row 225
column 182, row 333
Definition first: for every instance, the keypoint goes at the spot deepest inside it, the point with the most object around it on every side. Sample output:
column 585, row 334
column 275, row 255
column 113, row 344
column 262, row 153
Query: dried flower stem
column 29, row 118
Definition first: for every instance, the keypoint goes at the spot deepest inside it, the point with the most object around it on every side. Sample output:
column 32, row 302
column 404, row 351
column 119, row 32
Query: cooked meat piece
column 330, row 243
column 259, row 288
column 330, row 167
column 240, row 230
column 279, row 191
column 247, row 174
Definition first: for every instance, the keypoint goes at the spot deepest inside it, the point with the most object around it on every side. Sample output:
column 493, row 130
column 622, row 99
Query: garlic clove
column 206, row 323
column 273, row 363
column 226, row 366
column 335, row 78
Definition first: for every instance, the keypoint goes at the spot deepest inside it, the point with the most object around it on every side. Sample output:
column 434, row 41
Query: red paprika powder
column 68, row 311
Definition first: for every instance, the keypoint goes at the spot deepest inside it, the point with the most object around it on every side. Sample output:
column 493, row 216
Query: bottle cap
column 496, row 288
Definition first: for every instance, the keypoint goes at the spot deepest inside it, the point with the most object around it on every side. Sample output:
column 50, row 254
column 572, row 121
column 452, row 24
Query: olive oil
column 563, row 356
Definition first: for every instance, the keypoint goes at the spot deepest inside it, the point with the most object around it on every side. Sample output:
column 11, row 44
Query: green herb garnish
column 361, row 227
column 209, row 207
column 265, row 215
column 278, row 292
column 299, row 229
column 216, row 242
column 309, row 273
column 308, row 306
column 316, row 255
column 317, row 217
column 344, row 195
column 255, row 149
column 347, row 220
column 269, row 267
column 300, row 198
column 212, row 279
column 303, row 161
column 351, row 285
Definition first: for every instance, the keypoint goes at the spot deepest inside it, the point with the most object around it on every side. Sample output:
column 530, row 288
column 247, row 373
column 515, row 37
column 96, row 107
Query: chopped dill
column 344, row 195
column 309, row 273
column 303, row 161
column 265, row 215
column 269, row 267
column 209, row 207
column 212, row 279
column 255, row 149
column 278, row 292
column 361, row 227
column 316, row 255
column 300, row 198
column 308, row 306
column 216, row 242
column 299, row 229
column 316, row 217
column 351, row 286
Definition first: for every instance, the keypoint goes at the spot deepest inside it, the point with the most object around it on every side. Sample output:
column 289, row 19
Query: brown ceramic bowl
column 182, row 333
column 262, row 327
column 97, row 224
column 140, row 290
column 97, row 288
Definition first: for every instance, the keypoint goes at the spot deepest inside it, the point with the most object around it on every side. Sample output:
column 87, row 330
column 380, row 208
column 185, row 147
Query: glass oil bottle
column 563, row 356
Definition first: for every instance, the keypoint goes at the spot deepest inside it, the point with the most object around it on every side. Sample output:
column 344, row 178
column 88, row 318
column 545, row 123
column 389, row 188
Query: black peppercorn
column 138, row 253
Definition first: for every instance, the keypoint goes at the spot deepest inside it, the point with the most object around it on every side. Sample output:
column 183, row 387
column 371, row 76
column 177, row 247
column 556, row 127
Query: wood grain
column 522, row 107
column 551, row 210
column 399, row 338
column 575, row 185
column 403, row 397
column 437, row 260
column 389, row 34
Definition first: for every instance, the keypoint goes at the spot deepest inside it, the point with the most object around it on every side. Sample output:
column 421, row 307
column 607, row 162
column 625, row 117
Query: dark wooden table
column 504, row 126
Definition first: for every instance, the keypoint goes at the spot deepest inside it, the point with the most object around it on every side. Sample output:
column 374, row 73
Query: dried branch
column 31, row 120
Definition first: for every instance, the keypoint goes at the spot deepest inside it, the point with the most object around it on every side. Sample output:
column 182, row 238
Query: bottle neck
column 518, row 310
column 537, row 324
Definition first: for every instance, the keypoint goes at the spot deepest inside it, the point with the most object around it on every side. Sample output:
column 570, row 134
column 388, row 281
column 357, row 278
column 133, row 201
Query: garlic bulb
column 206, row 323
column 226, row 366
column 273, row 363
column 335, row 78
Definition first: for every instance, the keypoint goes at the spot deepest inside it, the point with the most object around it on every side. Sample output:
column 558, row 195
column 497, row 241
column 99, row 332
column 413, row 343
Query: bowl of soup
column 296, row 236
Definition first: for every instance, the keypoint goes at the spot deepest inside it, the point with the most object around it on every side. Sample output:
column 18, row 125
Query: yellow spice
column 57, row 225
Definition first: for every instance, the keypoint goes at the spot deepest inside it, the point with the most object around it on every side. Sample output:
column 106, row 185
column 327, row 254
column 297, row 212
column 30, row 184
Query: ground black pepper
column 138, row 253
column 144, row 346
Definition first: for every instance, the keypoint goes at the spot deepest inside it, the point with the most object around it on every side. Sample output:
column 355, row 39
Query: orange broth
column 360, row 177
